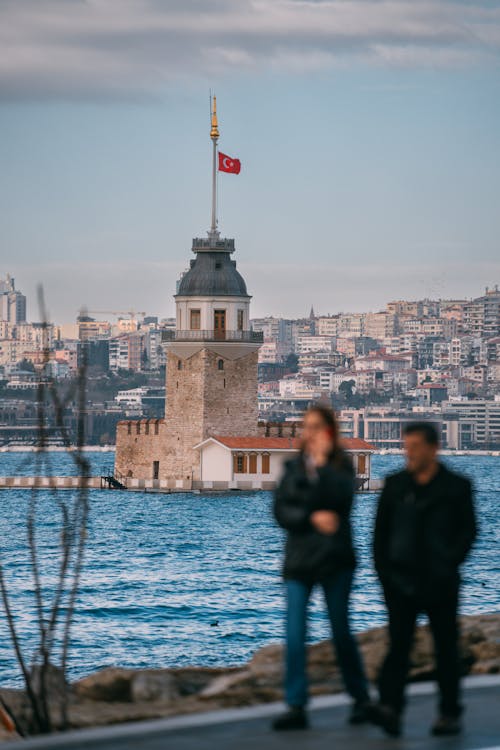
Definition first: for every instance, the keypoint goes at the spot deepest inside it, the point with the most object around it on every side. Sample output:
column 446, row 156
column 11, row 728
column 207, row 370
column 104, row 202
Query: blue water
column 160, row 568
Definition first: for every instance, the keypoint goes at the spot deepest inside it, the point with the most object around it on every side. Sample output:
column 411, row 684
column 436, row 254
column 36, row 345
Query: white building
column 307, row 344
column 257, row 462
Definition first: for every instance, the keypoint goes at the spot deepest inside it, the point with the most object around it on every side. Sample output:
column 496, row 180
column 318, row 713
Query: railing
column 114, row 481
column 224, row 244
column 253, row 337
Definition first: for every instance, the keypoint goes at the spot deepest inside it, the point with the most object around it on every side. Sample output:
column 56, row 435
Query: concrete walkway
column 248, row 728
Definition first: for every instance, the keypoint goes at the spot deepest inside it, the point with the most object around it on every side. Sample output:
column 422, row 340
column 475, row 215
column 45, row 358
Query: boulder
column 153, row 686
column 220, row 685
column 109, row 684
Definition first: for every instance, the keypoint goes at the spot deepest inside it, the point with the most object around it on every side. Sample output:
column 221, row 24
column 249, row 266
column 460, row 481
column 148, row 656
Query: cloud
column 92, row 48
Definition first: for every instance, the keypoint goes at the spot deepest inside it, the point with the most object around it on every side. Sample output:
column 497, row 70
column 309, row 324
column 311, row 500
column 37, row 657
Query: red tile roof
column 282, row 443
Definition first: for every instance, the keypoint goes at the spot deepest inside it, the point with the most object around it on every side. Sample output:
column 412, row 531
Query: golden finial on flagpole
column 214, row 131
column 214, row 135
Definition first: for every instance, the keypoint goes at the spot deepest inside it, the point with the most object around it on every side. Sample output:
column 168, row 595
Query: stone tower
column 211, row 358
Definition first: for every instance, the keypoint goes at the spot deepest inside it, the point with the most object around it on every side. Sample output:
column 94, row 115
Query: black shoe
column 446, row 725
column 385, row 717
column 294, row 718
column 359, row 712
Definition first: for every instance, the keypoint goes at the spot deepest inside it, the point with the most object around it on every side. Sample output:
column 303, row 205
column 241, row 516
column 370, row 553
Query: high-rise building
column 12, row 302
column 482, row 315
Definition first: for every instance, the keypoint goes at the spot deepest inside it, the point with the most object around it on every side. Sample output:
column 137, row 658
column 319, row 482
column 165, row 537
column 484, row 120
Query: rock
column 225, row 682
column 485, row 651
column 489, row 666
column 115, row 695
column 150, row 686
column 191, row 680
column 109, row 684
column 55, row 681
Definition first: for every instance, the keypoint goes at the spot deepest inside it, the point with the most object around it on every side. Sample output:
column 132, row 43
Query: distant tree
column 26, row 365
column 53, row 605
column 346, row 389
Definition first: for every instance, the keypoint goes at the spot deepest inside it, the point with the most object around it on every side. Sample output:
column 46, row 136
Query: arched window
column 239, row 463
column 179, row 364
column 220, row 364
column 129, row 428
column 138, row 427
column 266, row 463
column 252, row 463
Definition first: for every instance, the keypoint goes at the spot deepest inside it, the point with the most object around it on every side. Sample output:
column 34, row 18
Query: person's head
column 319, row 423
column 421, row 445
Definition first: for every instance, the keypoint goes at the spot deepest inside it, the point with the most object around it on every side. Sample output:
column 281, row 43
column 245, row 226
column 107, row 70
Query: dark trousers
column 442, row 614
column 336, row 592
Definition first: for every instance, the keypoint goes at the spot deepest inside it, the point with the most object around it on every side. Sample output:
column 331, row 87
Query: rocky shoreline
column 114, row 694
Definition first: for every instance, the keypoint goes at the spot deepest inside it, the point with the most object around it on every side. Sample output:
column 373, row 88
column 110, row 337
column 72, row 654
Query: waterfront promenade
column 248, row 728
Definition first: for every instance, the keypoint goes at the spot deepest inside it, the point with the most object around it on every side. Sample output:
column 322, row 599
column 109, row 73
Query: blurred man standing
column 424, row 529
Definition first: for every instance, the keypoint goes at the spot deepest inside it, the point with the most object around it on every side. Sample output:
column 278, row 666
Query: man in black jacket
column 424, row 529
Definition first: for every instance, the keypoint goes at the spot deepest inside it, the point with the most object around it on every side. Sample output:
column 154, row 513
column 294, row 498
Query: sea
column 172, row 580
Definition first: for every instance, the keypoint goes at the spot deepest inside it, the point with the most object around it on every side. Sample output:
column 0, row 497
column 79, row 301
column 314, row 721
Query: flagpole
column 214, row 135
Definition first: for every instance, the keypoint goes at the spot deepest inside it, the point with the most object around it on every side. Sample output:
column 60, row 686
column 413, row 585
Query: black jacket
column 309, row 555
column 423, row 532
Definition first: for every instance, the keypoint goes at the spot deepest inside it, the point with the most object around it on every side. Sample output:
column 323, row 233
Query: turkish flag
column 228, row 164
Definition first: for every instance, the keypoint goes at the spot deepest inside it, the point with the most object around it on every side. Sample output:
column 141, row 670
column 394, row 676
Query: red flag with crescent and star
column 228, row 164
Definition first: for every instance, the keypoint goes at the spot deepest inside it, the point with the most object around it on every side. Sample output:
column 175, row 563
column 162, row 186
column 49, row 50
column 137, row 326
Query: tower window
column 240, row 320
column 179, row 364
column 129, row 428
column 195, row 320
column 138, row 428
column 220, row 364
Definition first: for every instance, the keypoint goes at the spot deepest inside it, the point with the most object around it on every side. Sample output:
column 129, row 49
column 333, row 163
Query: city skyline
column 369, row 136
column 132, row 311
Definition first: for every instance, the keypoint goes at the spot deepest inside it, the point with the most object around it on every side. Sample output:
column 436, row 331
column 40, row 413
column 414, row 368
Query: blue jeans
column 336, row 591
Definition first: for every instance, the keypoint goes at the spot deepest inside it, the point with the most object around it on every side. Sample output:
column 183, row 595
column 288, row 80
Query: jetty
column 117, row 481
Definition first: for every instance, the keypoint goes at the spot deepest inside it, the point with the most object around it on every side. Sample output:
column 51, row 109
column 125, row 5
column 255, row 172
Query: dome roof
column 212, row 274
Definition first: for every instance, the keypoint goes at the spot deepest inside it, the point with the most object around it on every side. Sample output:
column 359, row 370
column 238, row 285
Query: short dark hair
column 428, row 430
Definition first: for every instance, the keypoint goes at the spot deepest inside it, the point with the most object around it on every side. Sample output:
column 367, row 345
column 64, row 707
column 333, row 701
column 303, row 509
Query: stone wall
column 280, row 429
column 202, row 400
column 139, row 443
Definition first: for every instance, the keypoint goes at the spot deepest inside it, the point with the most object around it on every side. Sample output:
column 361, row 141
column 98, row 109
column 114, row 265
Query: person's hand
column 325, row 521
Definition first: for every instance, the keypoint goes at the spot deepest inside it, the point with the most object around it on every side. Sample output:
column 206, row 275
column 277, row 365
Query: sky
column 368, row 131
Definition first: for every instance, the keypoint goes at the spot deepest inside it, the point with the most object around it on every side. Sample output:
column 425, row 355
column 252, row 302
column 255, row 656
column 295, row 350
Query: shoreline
column 112, row 449
column 116, row 694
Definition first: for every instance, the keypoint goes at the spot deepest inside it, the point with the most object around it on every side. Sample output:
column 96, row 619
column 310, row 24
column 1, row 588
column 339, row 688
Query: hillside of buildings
column 438, row 359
